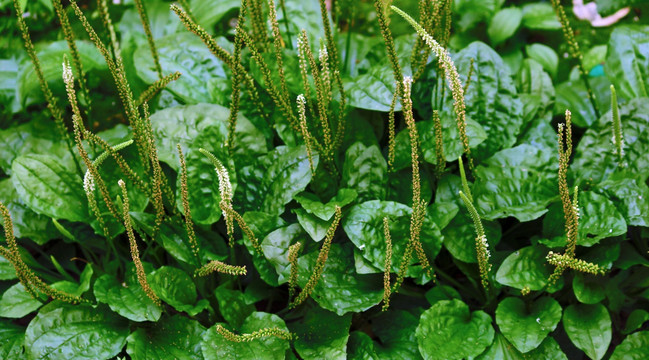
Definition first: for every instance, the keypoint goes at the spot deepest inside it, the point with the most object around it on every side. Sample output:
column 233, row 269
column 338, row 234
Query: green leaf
column 518, row 182
column 627, row 63
column 261, row 225
column 442, row 292
column 501, row 349
column 549, row 350
column 216, row 347
column 544, row 55
column 50, row 58
column 459, row 236
column 636, row 319
column 234, row 305
column 127, row 299
column 598, row 219
column 594, row 57
column 34, row 137
column 200, row 69
column 532, row 79
column 396, row 332
column 630, row 196
column 540, row 16
column 453, row 147
column 364, row 226
column 589, row 328
column 491, row 98
column 341, row 289
column 208, row 16
column 7, row 271
column 177, row 289
column 373, row 90
column 12, row 338
column 525, row 267
column 203, row 184
column 474, row 11
column 184, row 124
column 313, row 205
column 595, row 157
column 635, row 346
column 75, row 332
column 589, row 289
column 366, row 171
column 301, row 15
column 49, row 188
column 360, row 346
column 172, row 338
column 321, row 334
column 275, row 246
column 443, row 212
column 527, row 325
column 313, row 225
column 504, row 24
column 448, row 330
column 27, row 223
column 16, row 302
column 276, row 178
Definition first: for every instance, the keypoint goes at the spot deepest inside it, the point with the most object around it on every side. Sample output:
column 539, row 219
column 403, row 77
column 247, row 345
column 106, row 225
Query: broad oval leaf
column 525, row 267
column 16, row 302
column 364, row 226
column 276, row 178
column 62, row 331
column 527, row 325
column 183, row 125
column 453, row 147
column 12, row 338
column 177, row 289
column 589, row 328
column 172, row 338
column 627, row 63
column 341, row 289
column 49, row 188
column 366, row 171
column 491, row 99
column 544, row 55
column 127, row 299
column 373, row 91
column 518, row 182
column 504, row 24
column 200, row 69
column 216, row 347
column 321, row 334
column 595, row 158
column 449, row 330
column 634, row 347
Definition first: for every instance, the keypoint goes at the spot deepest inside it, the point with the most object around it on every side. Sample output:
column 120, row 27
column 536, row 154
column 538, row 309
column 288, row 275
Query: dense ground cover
column 323, row 179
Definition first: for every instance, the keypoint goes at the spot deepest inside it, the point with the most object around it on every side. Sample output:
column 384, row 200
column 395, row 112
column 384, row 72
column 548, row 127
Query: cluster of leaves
column 392, row 199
